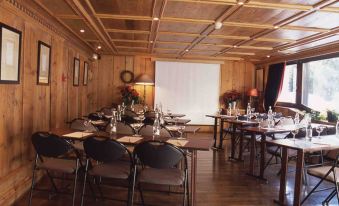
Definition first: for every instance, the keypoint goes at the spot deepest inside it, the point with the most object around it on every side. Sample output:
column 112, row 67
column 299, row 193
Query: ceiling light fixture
column 187, row 50
column 268, row 56
column 99, row 47
column 276, row 27
column 155, row 18
column 217, row 25
column 240, row 3
column 82, row 30
column 235, row 46
column 151, row 42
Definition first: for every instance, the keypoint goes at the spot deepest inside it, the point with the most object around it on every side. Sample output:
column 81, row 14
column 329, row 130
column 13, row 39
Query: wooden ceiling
column 252, row 29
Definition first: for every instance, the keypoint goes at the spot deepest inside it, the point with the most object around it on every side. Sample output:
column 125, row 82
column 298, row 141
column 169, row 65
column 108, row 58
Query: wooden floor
column 219, row 182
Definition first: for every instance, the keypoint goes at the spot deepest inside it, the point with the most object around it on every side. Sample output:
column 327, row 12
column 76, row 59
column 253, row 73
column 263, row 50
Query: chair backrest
column 122, row 128
column 106, row 111
column 80, row 124
column 104, row 150
column 149, row 114
column 147, row 130
column 94, row 116
column 130, row 113
column 50, row 145
column 159, row 155
column 128, row 119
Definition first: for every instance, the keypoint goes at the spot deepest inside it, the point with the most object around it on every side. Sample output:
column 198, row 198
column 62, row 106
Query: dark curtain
column 274, row 84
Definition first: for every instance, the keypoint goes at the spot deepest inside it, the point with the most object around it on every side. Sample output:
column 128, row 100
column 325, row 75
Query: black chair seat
column 61, row 165
column 117, row 170
column 172, row 176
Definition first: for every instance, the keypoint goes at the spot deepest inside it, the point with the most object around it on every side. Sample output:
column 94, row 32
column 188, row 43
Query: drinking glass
column 138, row 125
column 295, row 131
column 319, row 130
column 237, row 113
column 181, row 130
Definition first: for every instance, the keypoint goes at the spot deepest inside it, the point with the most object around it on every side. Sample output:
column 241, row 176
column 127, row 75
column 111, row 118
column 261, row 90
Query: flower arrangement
column 230, row 97
column 128, row 94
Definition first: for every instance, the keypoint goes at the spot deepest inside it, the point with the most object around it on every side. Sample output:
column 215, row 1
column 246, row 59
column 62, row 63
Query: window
column 289, row 87
column 188, row 88
column 320, row 90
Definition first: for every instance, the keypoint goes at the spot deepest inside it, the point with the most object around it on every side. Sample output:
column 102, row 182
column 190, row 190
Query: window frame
column 299, row 85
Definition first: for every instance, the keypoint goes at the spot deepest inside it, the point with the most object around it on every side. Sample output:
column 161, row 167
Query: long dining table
column 193, row 145
column 218, row 118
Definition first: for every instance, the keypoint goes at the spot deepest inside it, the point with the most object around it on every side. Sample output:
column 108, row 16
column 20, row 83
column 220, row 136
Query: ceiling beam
column 91, row 23
column 154, row 32
column 127, row 31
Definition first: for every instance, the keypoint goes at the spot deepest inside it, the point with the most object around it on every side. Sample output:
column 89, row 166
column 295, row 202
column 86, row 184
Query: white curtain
column 188, row 88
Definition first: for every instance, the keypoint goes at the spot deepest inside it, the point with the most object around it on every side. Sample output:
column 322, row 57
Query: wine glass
column 295, row 131
column 237, row 113
column 139, row 124
column 319, row 130
column 181, row 130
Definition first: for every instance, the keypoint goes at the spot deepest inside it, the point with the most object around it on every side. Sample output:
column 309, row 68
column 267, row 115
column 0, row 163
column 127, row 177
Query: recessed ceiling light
column 276, row 27
column 235, row 46
column 240, row 3
column 217, row 25
column 99, row 47
column 187, row 50
column 82, row 30
column 151, row 42
column 268, row 56
column 155, row 18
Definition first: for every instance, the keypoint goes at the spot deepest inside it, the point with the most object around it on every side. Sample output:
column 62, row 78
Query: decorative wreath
column 127, row 76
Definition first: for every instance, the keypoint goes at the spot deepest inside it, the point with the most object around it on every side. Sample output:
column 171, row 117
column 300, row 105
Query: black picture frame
column 40, row 47
column 3, row 80
column 76, row 72
column 85, row 79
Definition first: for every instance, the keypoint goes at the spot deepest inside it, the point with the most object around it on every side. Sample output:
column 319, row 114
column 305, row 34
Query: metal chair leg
column 329, row 198
column 84, row 185
column 33, row 181
column 75, row 181
column 133, row 185
column 141, row 195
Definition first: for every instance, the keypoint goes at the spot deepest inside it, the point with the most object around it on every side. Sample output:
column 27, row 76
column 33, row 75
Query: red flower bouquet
column 128, row 94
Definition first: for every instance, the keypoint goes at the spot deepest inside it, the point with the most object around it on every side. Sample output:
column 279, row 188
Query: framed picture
column 44, row 63
column 85, row 73
column 259, row 79
column 76, row 72
column 10, row 52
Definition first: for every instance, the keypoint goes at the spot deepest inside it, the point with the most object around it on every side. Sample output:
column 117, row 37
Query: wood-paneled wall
column 27, row 107
column 238, row 75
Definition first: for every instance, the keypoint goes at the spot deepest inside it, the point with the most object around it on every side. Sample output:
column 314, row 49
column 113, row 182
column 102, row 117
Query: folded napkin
column 172, row 128
column 129, row 139
column 178, row 142
column 98, row 122
column 78, row 134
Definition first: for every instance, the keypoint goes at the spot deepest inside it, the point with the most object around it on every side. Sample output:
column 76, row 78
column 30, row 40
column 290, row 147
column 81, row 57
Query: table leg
column 193, row 176
column 298, row 177
column 252, row 155
column 215, row 132
column 233, row 137
column 262, row 156
column 241, row 141
column 282, row 191
column 221, row 133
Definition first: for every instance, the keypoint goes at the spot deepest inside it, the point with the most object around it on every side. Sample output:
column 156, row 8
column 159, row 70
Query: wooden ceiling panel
column 334, row 38
column 123, row 7
column 61, row 8
column 261, row 16
column 201, row 52
column 77, row 24
column 129, row 36
column 130, row 49
column 164, row 51
column 264, row 43
column 207, row 47
column 176, row 38
column 220, row 41
column 289, row 34
column 181, row 27
column 170, row 45
column 130, row 44
column 303, row 2
column 319, row 20
column 193, row 11
column 126, row 24
column 237, row 31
